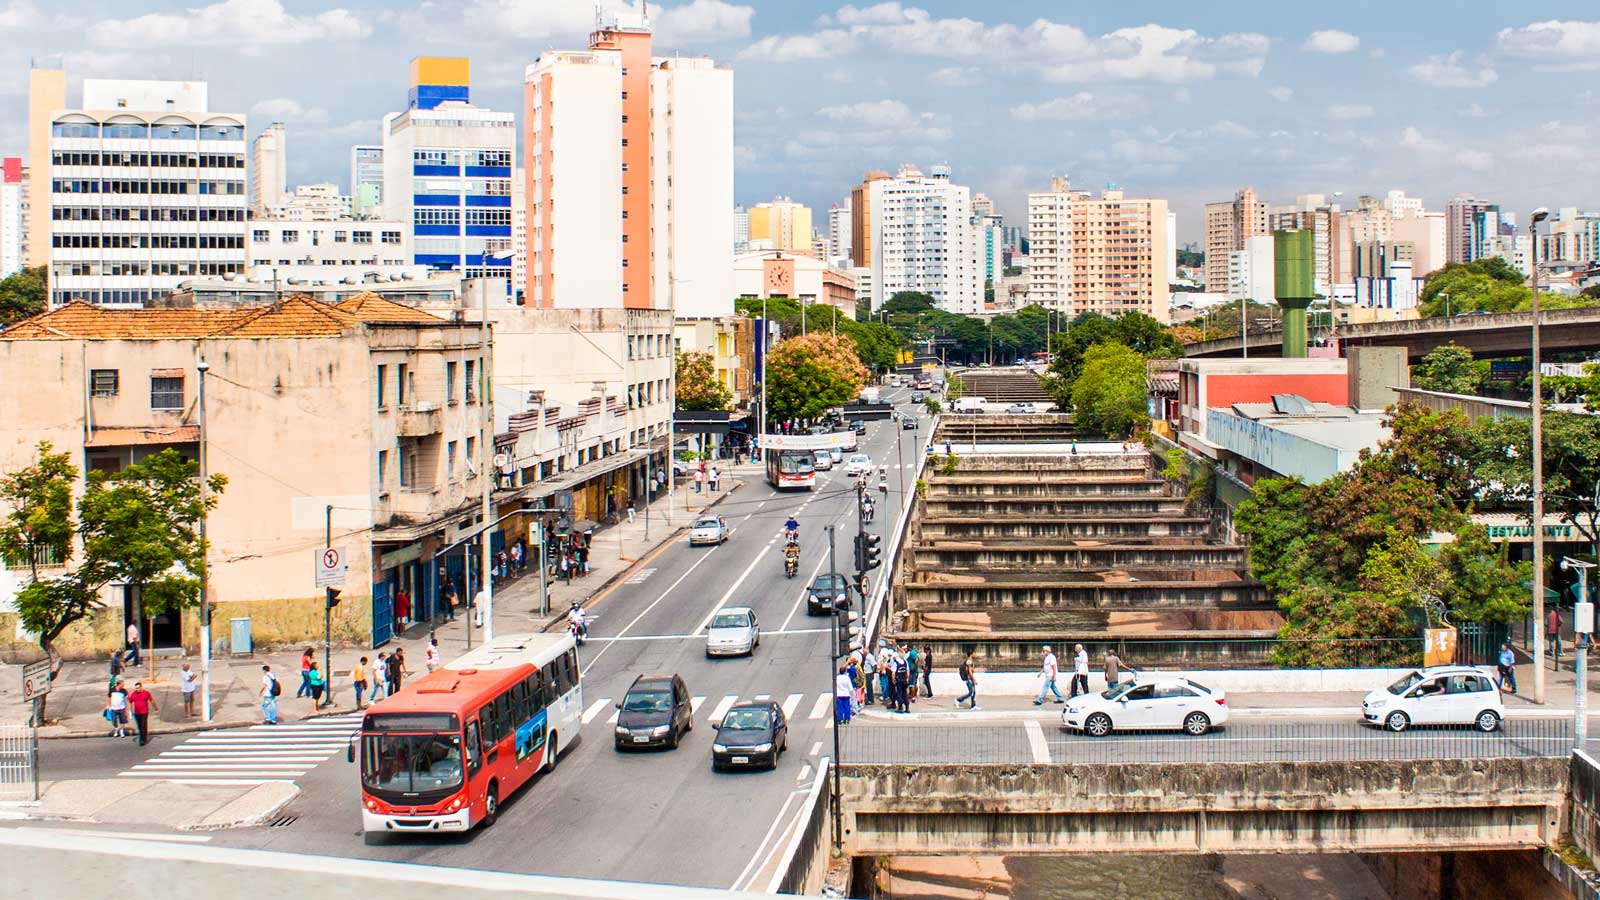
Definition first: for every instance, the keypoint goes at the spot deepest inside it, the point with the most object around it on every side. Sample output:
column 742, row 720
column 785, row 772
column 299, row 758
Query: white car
column 823, row 460
column 733, row 632
column 1442, row 695
column 708, row 530
column 1166, row 702
column 858, row 464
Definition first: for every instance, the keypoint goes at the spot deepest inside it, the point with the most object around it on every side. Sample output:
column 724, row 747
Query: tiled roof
column 123, row 437
column 296, row 316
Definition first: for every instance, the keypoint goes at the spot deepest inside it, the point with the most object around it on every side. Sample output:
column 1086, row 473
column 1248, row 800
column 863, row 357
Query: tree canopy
column 23, row 294
column 807, row 375
column 1108, row 395
column 877, row 346
column 1450, row 368
column 1489, row 285
column 698, row 388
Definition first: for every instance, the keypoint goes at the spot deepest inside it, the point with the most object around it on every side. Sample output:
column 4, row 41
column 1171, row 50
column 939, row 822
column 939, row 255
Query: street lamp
column 205, row 600
column 1537, row 404
column 1582, row 628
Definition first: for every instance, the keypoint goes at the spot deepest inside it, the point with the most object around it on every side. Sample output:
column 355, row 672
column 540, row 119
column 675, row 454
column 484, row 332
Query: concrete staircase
column 1003, row 386
column 992, row 428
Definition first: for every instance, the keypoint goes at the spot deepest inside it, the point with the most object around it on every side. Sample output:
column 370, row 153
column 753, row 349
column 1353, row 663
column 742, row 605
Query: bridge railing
column 1043, row 742
column 805, row 858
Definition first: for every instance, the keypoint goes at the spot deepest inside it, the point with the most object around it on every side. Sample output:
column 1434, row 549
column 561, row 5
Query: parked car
column 822, row 460
column 680, row 469
column 1166, row 702
column 1441, row 695
column 750, row 734
column 1019, row 409
column 858, row 426
column 733, row 631
column 859, row 464
column 655, row 712
column 819, row 596
column 708, row 530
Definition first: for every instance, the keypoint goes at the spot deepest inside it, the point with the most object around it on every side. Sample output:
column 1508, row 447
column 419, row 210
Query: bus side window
column 551, row 690
column 472, row 746
column 572, row 663
column 519, row 703
column 491, row 728
column 535, row 686
column 569, row 674
column 502, row 715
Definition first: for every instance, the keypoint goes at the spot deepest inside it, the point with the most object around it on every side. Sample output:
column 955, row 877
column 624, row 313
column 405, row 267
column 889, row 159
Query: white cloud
column 18, row 14
column 884, row 113
column 880, row 123
column 877, row 14
column 1281, row 93
column 1449, row 72
column 1227, row 128
column 242, row 23
column 510, row 18
column 743, row 157
column 363, row 130
column 1157, row 53
column 1078, row 107
column 1346, row 111
column 1476, row 160
column 955, row 76
column 1412, row 138
column 287, row 109
column 1474, row 111
column 1331, row 41
column 1555, row 44
column 794, row 47
column 703, row 21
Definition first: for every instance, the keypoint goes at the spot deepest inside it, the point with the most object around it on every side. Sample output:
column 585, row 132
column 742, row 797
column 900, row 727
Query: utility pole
column 1582, row 630
column 485, row 470
column 833, row 675
column 1537, row 409
column 327, row 612
column 205, row 598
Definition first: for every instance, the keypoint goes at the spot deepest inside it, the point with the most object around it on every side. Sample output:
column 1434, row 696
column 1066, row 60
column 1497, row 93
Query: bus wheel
column 491, row 805
column 552, row 752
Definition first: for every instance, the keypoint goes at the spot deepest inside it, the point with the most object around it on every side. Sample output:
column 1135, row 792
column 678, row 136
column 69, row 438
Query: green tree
column 1489, row 285
column 1190, row 258
column 1278, row 524
column 1109, row 394
column 1450, row 368
column 908, row 302
column 877, row 346
column 1571, row 466
column 698, row 388
column 23, row 294
column 141, row 526
column 807, row 375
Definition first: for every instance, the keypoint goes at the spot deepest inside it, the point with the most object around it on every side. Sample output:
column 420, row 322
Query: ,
column 442, row 753
column 656, row 712
column 1166, row 703
column 1442, row 695
column 708, row 530
column 733, row 631
column 750, row 734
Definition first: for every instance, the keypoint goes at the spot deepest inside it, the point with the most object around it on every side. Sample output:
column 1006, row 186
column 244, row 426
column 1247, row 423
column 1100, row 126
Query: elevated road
column 1499, row 335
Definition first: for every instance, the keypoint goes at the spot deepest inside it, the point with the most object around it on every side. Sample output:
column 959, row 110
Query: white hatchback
column 1442, row 695
column 858, row 464
column 1153, row 702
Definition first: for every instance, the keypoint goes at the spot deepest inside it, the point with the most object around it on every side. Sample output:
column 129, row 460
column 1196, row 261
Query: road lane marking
column 694, row 704
column 224, row 782
column 640, row 576
column 646, row 611
column 821, row 706
column 817, row 747
column 731, row 590
column 805, row 772
column 594, row 709
column 1041, row 750
column 615, row 713
column 804, row 591
column 761, row 848
column 722, row 708
column 789, row 704
column 129, row 835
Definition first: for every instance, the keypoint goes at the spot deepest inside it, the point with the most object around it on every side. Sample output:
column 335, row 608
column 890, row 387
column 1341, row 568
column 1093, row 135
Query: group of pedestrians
column 709, row 477
column 891, row 674
column 122, row 702
column 382, row 676
column 1050, row 670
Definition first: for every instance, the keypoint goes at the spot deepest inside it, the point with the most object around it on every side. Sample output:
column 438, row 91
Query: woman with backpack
column 270, row 689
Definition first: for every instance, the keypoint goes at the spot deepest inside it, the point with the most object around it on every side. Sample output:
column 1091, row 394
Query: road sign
column 331, row 567
column 35, row 680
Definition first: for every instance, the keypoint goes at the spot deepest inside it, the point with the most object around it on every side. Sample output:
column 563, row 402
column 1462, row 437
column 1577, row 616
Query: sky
column 1184, row 101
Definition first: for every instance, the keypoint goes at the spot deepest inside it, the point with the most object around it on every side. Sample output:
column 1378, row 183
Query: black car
column 655, row 713
column 819, row 596
column 750, row 734
column 858, row 426
column 908, row 423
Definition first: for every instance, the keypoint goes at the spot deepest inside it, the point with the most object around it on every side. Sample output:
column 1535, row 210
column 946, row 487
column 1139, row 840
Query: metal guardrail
column 874, row 618
column 19, row 758
column 809, row 842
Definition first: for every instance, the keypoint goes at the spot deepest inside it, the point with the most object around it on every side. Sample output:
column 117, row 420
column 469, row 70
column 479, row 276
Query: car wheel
column 1396, row 721
column 1487, row 721
column 672, row 739
column 1097, row 725
column 491, row 805
column 1196, row 723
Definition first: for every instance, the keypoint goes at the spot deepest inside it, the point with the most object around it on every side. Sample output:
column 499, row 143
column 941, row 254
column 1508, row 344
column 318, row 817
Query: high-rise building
column 781, row 224
column 519, row 232
column 308, row 203
column 1469, row 223
column 1251, row 270
column 47, row 94
column 269, row 158
column 1050, row 246
column 146, row 166
column 1312, row 212
column 861, row 216
column 1227, row 225
column 13, row 214
column 447, row 170
column 366, row 180
column 1105, row 254
column 630, row 177
column 1571, row 237
column 982, row 205
column 991, row 248
column 1016, row 238
column 923, row 240
column 741, row 229
column 839, row 231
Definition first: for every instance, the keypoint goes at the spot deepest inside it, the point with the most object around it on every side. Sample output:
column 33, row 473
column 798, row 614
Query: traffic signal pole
column 327, row 614
column 833, row 674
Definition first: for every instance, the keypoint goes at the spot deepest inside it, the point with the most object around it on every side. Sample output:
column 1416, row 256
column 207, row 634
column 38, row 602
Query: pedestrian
column 433, row 653
column 869, row 668
column 566, row 568
column 380, row 675
column 699, row 479
column 1552, row 632
column 133, row 643
column 317, row 684
column 397, row 669
column 630, row 512
column 842, row 690
column 117, row 709
column 926, row 661
column 583, row 559
column 914, row 662
column 516, row 556
column 116, row 668
column 358, row 677
column 1074, row 446
column 142, row 703
column 902, row 684
column 269, row 696
column 1507, row 668
column 886, row 673
column 501, row 560
column 1048, row 669
column 479, row 603
column 306, row 662
column 853, row 670
column 1113, row 669
column 716, row 477
column 450, row 600
column 1080, row 671
column 402, row 608
column 188, row 684
column 970, row 679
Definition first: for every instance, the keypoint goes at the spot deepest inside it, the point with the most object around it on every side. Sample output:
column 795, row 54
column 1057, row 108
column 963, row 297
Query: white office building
column 13, row 216
column 269, row 158
column 147, row 189
column 343, row 247
column 1250, row 271
column 366, row 180
column 839, row 230
column 923, row 240
column 1050, row 246
column 741, row 230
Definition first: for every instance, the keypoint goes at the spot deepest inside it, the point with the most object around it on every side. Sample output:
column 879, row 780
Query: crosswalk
column 256, row 755
column 790, row 704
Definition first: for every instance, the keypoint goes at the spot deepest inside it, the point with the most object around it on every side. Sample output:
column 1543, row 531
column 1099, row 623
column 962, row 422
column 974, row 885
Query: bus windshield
column 411, row 763
column 795, row 463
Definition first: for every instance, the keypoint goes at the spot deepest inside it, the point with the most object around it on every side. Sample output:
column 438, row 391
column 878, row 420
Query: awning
column 124, row 437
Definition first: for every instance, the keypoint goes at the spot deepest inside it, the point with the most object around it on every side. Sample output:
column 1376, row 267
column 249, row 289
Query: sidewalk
column 79, row 694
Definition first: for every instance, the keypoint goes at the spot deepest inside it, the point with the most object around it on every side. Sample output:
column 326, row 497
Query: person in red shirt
column 142, row 703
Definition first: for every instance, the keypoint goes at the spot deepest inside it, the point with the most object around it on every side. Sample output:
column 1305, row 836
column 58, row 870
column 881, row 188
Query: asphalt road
column 655, row 816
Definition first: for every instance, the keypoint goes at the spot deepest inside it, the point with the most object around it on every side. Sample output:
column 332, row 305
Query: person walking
column 306, row 661
column 699, row 479
column 142, row 702
column 926, row 661
column 869, row 669
column 397, row 669
column 1048, row 670
column 1113, row 669
column 1080, row 671
column 450, row 601
column 913, row 662
column 315, row 677
column 1552, row 632
column 380, row 676
column 133, row 643
column 630, row 512
column 402, row 609
column 902, row 683
column 269, row 696
column 969, row 678
column 1508, row 669
column 188, row 684
column 715, row 478
column 358, row 678
column 117, row 709
column 433, row 654
column 842, row 690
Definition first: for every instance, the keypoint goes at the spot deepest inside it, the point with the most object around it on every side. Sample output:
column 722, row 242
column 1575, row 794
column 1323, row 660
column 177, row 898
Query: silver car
column 824, row 460
column 708, row 530
column 733, row 632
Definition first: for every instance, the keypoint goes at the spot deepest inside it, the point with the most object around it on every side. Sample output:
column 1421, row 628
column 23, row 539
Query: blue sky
column 1186, row 101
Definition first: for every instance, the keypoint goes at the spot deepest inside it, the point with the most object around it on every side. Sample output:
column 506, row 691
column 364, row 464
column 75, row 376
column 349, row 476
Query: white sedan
column 1442, row 695
column 708, row 530
column 1168, row 703
column 858, row 464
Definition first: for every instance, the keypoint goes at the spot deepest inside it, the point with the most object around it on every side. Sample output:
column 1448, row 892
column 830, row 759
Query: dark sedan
column 655, row 713
column 750, row 734
column 819, row 596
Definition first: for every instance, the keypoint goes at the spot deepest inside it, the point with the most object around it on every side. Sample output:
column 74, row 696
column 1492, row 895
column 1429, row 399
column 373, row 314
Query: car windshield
column 1119, row 690
column 828, row 583
column 858, row 458
column 411, row 763
column 731, row 620
column 706, row 523
column 648, row 701
column 1404, row 684
column 746, row 719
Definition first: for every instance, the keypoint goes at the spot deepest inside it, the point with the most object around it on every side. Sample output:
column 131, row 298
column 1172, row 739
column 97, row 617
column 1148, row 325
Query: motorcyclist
column 577, row 620
column 791, row 530
column 867, row 507
column 791, row 558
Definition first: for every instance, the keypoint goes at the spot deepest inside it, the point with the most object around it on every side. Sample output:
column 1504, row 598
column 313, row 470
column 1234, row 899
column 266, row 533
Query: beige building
column 367, row 412
column 1228, row 225
column 1119, row 255
column 730, row 342
column 773, row 273
column 47, row 93
column 861, row 220
column 781, row 225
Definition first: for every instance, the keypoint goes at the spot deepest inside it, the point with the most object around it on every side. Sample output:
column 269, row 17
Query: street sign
column 35, row 680
column 330, row 567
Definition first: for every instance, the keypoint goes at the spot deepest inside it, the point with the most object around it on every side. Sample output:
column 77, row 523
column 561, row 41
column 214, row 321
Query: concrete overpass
column 1487, row 336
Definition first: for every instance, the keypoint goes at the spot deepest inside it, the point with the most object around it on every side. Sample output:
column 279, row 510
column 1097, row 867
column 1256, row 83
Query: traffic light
column 333, row 597
column 848, row 622
column 868, row 552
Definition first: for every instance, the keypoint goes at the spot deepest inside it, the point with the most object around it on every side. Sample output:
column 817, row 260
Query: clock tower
column 777, row 277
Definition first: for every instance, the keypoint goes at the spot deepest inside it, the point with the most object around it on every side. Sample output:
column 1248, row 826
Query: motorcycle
column 579, row 629
column 791, row 566
column 866, row 512
column 791, row 537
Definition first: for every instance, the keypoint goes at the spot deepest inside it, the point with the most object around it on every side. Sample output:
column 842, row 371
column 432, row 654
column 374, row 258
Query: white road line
column 196, row 771
column 646, row 611
column 761, row 848
column 805, row 772
column 760, row 697
column 184, row 759
column 821, row 706
column 789, row 704
column 722, row 708
column 803, row 591
column 816, row 748
column 725, row 597
column 225, row 782
column 642, row 637
column 131, row 835
column 615, row 713
column 694, row 704
column 800, row 631
column 594, row 709
column 1041, row 750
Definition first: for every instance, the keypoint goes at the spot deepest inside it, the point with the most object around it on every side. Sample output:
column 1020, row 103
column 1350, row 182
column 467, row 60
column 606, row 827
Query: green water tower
column 1294, row 280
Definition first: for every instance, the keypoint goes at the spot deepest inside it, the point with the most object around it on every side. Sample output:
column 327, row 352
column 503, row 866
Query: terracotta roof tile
column 297, row 316
column 369, row 307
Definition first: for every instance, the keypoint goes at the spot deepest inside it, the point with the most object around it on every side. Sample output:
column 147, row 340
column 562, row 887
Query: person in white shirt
column 869, row 673
column 380, row 676
column 133, row 643
column 433, row 654
column 1080, row 671
column 1048, row 671
column 269, row 699
column 188, row 683
column 843, row 693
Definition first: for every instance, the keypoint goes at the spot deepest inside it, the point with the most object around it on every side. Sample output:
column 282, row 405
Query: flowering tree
column 809, row 374
column 698, row 386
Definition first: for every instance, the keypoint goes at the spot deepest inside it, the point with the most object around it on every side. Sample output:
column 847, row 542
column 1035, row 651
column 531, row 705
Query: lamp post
column 1537, row 408
column 1582, row 628
column 205, row 599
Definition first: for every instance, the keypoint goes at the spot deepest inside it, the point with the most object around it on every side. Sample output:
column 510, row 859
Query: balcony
column 419, row 420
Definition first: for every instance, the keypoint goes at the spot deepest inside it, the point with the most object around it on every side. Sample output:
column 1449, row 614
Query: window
column 391, row 237
column 361, row 237
column 449, row 382
column 383, row 374
column 103, row 382
column 401, row 377
column 408, row 466
column 472, row 449
column 291, row 237
column 166, row 392
column 259, row 235
column 471, row 386
column 450, row 458
column 341, row 237
column 383, row 468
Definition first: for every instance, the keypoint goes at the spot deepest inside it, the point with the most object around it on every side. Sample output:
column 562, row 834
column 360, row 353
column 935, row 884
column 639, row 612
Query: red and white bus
column 791, row 470
column 441, row 754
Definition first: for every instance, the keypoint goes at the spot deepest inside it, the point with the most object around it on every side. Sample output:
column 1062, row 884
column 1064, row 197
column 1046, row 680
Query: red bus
column 791, row 470
column 442, row 753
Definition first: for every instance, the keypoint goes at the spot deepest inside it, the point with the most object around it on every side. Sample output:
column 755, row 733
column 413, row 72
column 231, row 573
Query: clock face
column 778, row 279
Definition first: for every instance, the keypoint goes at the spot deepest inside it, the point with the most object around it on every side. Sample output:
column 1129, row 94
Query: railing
column 19, row 754
column 1024, row 743
column 805, row 859
column 1584, row 805
column 876, row 609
